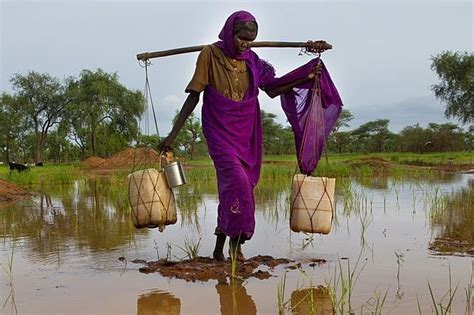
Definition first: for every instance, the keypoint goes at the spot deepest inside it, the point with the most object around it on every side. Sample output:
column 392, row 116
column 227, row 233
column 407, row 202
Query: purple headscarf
column 226, row 35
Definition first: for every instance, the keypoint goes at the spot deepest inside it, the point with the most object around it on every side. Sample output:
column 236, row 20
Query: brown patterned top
column 227, row 75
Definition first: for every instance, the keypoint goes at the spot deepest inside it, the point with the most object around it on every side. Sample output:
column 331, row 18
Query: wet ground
column 206, row 268
column 75, row 251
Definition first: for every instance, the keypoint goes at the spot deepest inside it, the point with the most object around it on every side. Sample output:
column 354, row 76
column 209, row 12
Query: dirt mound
column 131, row 158
column 206, row 268
column 374, row 162
column 11, row 192
column 93, row 162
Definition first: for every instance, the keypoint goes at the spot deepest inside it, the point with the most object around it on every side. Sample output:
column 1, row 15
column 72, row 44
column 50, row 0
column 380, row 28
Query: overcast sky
column 380, row 62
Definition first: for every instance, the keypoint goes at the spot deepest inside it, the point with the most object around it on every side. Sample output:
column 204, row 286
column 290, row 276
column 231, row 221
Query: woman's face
column 242, row 39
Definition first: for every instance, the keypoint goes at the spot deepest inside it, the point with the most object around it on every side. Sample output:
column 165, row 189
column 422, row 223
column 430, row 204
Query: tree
column 41, row 101
column 189, row 135
column 469, row 138
column 446, row 137
column 456, row 89
column 373, row 136
column 271, row 133
column 58, row 148
column 11, row 126
column 414, row 139
column 276, row 138
column 341, row 139
column 99, row 104
column 148, row 141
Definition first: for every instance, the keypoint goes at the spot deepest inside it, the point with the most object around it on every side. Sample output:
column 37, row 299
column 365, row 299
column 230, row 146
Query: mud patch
column 455, row 168
column 205, row 268
column 450, row 166
column 452, row 246
column 10, row 192
column 374, row 162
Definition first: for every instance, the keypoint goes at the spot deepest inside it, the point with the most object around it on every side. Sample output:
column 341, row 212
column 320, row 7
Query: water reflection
column 234, row 299
column 10, row 302
column 94, row 213
column 452, row 220
column 158, row 303
column 88, row 214
column 313, row 300
column 90, row 220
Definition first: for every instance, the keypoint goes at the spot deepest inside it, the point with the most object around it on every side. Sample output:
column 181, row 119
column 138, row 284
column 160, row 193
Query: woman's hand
column 166, row 144
column 318, row 67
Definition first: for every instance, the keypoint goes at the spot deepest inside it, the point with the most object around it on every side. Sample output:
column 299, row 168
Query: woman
column 230, row 74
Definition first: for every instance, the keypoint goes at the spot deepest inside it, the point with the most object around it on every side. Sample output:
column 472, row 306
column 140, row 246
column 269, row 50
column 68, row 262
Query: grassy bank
column 54, row 173
column 333, row 165
column 430, row 159
column 361, row 165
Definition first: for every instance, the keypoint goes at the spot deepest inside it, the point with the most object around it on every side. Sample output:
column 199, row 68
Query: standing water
column 398, row 246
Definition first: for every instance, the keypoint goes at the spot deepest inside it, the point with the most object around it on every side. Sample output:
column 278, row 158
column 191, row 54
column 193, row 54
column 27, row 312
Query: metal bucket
column 174, row 174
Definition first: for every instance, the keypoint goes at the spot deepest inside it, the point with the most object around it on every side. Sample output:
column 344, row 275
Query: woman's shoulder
column 211, row 52
column 206, row 50
column 215, row 50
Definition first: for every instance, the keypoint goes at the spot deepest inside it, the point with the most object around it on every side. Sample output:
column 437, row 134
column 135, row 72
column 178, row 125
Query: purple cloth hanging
column 311, row 117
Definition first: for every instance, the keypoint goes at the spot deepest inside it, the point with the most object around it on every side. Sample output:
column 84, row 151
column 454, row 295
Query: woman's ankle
column 235, row 249
column 218, row 252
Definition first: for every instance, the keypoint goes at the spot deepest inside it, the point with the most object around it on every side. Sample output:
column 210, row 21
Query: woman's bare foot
column 239, row 255
column 218, row 256
column 236, row 249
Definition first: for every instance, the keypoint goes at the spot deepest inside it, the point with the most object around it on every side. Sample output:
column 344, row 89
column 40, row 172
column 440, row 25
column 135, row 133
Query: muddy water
column 73, row 247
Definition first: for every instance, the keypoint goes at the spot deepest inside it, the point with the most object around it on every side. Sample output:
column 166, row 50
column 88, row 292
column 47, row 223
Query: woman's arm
column 311, row 46
column 188, row 107
column 287, row 87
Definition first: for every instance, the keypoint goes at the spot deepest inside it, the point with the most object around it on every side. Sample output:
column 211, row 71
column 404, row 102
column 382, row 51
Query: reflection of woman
column 234, row 299
column 158, row 303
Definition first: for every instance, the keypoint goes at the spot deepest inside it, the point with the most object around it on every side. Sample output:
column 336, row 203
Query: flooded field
column 399, row 245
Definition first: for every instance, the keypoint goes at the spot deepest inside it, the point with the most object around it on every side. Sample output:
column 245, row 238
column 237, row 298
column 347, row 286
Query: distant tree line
column 373, row 136
column 46, row 119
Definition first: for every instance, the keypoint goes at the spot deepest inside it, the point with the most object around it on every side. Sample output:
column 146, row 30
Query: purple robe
column 233, row 132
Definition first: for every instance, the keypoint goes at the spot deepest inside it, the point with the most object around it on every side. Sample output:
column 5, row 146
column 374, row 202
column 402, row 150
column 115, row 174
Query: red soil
column 11, row 192
column 93, row 162
column 128, row 159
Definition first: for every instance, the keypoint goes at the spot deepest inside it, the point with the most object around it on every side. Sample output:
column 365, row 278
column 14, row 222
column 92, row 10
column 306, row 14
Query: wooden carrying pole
column 163, row 53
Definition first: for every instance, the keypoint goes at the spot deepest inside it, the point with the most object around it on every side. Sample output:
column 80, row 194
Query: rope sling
column 153, row 201
column 316, row 223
